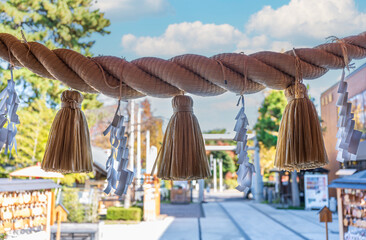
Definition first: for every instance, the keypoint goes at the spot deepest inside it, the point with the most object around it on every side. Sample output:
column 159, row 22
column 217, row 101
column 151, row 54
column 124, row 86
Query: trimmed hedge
column 120, row 213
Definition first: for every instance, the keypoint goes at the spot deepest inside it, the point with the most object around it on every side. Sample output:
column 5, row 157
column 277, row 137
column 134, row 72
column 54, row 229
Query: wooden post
column 61, row 216
column 53, row 208
column 58, row 233
column 325, row 215
column 340, row 214
column 157, row 195
column 49, row 212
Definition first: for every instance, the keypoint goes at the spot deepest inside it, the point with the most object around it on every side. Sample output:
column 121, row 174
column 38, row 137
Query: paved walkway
column 233, row 219
column 193, row 210
column 227, row 195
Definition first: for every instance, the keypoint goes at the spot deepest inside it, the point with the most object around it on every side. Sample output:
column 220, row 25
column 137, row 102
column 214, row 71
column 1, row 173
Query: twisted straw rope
column 195, row 74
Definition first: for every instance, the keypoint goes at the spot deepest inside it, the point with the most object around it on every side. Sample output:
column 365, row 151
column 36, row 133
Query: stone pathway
column 222, row 218
column 260, row 221
column 192, row 210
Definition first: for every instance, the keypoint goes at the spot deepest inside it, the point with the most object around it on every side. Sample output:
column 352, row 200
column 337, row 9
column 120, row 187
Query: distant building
column 329, row 114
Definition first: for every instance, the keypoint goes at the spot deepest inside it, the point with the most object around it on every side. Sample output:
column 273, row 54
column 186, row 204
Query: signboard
column 316, row 191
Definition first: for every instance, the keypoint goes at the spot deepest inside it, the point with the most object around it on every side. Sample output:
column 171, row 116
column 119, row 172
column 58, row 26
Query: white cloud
column 300, row 23
column 204, row 39
column 186, row 37
column 254, row 44
column 200, row 38
column 281, row 46
column 308, row 19
column 132, row 9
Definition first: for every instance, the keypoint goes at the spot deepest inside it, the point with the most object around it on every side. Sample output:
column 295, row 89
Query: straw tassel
column 300, row 142
column 68, row 148
column 182, row 155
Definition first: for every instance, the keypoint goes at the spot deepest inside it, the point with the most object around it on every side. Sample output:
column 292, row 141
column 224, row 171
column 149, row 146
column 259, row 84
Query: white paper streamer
column 9, row 103
column 119, row 155
column 348, row 137
column 246, row 169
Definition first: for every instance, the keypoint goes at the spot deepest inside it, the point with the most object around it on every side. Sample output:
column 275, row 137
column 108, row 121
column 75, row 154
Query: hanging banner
column 316, row 191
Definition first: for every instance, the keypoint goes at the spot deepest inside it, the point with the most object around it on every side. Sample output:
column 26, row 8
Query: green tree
column 57, row 24
column 70, row 200
column 268, row 123
column 228, row 163
column 36, row 120
column 267, row 126
column 153, row 124
column 270, row 114
column 71, row 178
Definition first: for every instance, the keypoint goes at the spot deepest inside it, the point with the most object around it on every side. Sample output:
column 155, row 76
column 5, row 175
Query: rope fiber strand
column 195, row 74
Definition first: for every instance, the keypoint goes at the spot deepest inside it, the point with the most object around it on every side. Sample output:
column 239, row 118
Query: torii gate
column 258, row 182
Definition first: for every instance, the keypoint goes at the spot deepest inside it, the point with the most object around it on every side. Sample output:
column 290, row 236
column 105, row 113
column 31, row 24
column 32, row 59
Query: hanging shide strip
column 9, row 103
column 300, row 142
column 246, row 169
column 348, row 137
column 182, row 155
column 68, row 147
column 119, row 154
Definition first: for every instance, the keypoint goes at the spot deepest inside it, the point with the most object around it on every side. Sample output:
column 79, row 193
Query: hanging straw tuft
column 300, row 142
column 68, row 148
column 182, row 155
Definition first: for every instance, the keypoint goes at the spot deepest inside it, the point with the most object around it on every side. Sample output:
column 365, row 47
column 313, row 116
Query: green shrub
column 70, row 200
column 120, row 213
column 79, row 212
column 231, row 183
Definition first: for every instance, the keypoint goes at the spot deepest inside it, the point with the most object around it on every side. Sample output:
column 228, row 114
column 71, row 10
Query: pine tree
column 270, row 114
column 56, row 24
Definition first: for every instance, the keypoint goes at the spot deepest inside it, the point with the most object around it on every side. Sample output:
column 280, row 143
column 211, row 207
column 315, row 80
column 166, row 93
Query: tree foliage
column 154, row 125
column 267, row 157
column 70, row 178
column 99, row 119
column 56, row 24
column 36, row 120
column 228, row 163
column 268, row 123
column 270, row 114
column 70, row 200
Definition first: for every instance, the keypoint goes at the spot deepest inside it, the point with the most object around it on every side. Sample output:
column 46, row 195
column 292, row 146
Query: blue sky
column 166, row 28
